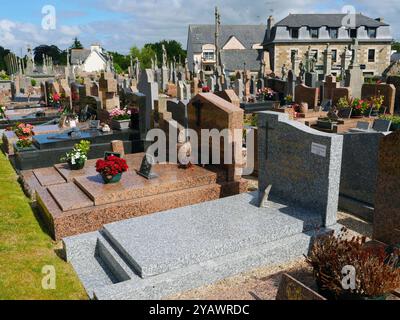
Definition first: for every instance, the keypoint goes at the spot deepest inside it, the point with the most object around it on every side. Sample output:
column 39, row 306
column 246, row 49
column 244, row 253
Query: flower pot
column 77, row 166
column 111, row 179
column 19, row 149
column 120, row 124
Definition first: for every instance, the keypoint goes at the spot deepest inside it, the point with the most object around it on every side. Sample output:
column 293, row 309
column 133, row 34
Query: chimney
column 270, row 25
column 379, row 19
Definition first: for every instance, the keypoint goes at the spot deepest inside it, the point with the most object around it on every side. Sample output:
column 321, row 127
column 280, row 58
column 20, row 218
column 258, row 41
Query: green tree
column 173, row 48
column 77, row 44
column 144, row 55
column 51, row 51
column 396, row 46
column 121, row 60
column 3, row 53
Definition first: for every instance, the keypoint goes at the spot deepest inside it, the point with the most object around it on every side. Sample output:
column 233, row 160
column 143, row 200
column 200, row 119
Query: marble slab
column 48, row 177
column 69, row 197
column 132, row 185
column 181, row 237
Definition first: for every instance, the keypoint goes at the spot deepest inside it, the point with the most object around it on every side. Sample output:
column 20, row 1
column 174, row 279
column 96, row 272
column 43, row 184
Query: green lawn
column 25, row 248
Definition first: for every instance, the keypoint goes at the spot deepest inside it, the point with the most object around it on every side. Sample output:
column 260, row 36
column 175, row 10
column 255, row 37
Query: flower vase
column 120, row 124
column 77, row 165
column 111, row 179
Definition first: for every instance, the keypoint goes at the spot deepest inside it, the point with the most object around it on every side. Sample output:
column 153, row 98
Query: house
column 240, row 47
column 298, row 34
column 90, row 60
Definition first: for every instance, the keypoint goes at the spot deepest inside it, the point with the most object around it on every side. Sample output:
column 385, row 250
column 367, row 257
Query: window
column 371, row 32
column 314, row 33
column 207, row 68
column 333, row 33
column 334, row 55
column 208, row 55
column 294, row 32
column 353, row 33
column 314, row 54
column 371, row 55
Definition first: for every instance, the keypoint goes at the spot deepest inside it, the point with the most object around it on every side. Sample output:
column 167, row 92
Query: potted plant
column 360, row 108
column 76, row 159
column 205, row 89
column 111, row 169
column 377, row 272
column 268, row 94
column 289, row 99
column 24, row 130
column 376, row 105
column 120, row 119
column 2, row 112
column 395, row 121
column 24, row 144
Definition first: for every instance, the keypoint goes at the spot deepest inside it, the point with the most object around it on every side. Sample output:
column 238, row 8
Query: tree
column 3, row 54
column 77, row 44
column 396, row 46
column 144, row 55
column 173, row 48
column 122, row 61
column 51, row 51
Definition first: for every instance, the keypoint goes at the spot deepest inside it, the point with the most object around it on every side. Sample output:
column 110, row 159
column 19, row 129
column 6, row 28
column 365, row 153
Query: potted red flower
column 360, row 107
column 111, row 169
column 205, row 89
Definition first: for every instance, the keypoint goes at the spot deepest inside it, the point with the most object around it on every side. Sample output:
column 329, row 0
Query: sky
column 120, row 24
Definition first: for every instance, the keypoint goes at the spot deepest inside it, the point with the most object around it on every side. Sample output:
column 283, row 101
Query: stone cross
column 164, row 56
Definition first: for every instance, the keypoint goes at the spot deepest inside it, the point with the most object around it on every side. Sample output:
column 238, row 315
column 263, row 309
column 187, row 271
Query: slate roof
column 331, row 20
column 79, row 55
column 82, row 54
column 395, row 57
column 234, row 59
column 248, row 35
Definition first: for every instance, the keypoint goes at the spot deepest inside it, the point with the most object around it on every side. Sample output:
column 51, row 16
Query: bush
column 33, row 82
column 377, row 272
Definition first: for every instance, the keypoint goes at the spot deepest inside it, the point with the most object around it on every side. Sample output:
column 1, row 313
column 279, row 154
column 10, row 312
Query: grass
column 25, row 249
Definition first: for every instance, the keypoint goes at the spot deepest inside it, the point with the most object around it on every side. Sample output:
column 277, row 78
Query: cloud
column 121, row 24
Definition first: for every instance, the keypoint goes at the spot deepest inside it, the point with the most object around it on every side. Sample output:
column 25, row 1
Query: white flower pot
column 120, row 124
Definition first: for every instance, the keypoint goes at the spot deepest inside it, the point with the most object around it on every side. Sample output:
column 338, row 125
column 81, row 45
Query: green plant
column 33, row 82
column 360, row 106
column 343, row 103
column 395, row 120
column 2, row 111
column 4, row 76
column 377, row 101
column 24, row 143
column 78, row 154
column 289, row 99
column 377, row 271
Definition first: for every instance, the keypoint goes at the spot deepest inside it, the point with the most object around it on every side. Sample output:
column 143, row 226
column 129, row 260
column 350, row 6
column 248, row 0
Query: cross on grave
column 197, row 104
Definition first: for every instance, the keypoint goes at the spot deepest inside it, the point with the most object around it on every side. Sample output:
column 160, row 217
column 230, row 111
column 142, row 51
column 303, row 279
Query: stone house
column 90, row 60
column 239, row 45
column 316, row 34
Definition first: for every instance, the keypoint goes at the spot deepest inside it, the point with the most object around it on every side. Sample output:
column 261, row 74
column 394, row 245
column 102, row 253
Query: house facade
column 316, row 35
column 240, row 47
column 90, row 60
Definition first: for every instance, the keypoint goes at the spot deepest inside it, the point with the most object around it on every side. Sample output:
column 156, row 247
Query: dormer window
column 208, row 55
column 314, row 32
column 353, row 33
column 294, row 33
column 333, row 33
column 371, row 33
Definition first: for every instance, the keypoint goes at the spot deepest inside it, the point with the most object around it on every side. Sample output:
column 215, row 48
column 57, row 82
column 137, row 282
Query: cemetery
column 178, row 173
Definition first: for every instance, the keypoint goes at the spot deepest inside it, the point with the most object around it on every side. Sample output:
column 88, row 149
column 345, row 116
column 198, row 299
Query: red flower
column 111, row 166
column 206, row 89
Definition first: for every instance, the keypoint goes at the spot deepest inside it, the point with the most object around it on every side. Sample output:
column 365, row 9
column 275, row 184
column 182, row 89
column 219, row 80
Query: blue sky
column 120, row 24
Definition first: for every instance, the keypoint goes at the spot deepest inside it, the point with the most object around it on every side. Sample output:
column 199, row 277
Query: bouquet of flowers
column 377, row 101
column 360, row 106
column 24, row 130
column 267, row 93
column 78, row 155
column 343, row 103
column 24, row 143
column 119, row 115
column 111, row 166
column 205, row 89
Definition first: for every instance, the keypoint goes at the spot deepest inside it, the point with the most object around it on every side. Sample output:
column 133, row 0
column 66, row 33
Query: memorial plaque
column 146, row 167
column 345, row 113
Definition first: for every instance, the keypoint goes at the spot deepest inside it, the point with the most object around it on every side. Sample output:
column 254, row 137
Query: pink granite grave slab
column 69, row 197
column 48, row 176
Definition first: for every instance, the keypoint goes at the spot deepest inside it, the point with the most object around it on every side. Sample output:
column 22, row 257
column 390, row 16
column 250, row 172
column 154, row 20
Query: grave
column 387, row 200
column 49, row 148
column 359, row 173
column 159, row 255
column 381, row 89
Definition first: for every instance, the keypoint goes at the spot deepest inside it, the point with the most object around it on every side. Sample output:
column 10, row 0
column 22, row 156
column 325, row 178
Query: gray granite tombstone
column 302, row 165
column 311, row 79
